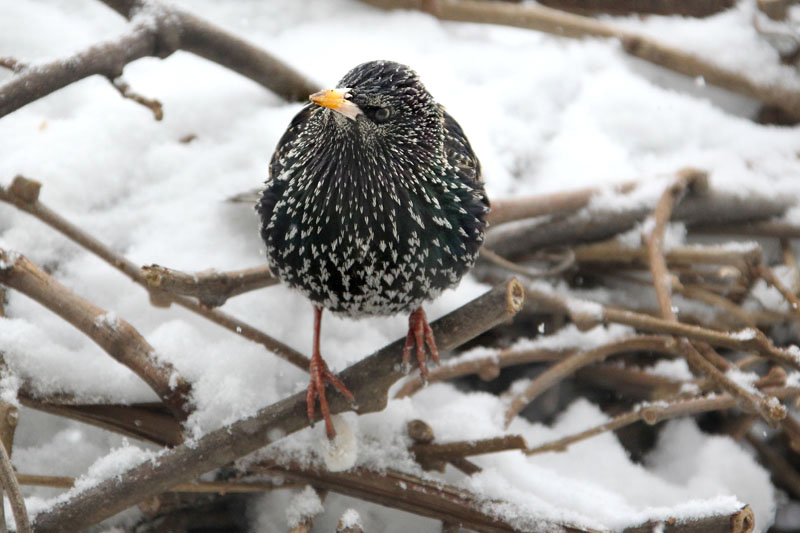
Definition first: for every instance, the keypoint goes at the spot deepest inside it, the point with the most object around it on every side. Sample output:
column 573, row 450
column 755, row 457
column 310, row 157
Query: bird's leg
column 319, row 375
column 419, row 333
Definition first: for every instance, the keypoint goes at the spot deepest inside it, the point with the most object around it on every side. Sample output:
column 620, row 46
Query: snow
column 544, row 114
column 304, row 505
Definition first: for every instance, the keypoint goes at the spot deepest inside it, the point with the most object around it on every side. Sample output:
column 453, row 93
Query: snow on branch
column 156, row 31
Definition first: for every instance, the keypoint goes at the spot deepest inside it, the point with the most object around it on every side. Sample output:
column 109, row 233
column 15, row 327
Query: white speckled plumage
column 371, row 217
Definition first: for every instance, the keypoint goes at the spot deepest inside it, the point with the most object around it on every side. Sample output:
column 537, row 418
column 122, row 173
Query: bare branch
column 126, row 92
column 653, row 413
column 687, row 8
column 212, row 288
column 578, row 360
column 524, row 236
column 368, row 379
column 221, row 487
column 164, row 30
column 564, row 24
column 10, row 485
column 115, row 336
column 748, row 339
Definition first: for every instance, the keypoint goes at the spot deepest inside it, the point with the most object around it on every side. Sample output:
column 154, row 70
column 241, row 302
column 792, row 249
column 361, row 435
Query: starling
column 374, row 205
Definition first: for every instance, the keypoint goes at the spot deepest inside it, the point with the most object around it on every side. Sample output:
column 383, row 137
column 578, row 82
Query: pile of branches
column 525, row 232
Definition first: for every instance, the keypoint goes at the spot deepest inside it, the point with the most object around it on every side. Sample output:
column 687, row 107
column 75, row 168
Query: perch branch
column 158, row 33
column 115, row 336
column 369, row 380
column 764, row 228
column 24, row 193
column 454, row 450
column 540, row 18
column 212, row 288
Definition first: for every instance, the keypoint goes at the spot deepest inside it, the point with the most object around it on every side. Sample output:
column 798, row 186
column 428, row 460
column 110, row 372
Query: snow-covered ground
column 543, row 114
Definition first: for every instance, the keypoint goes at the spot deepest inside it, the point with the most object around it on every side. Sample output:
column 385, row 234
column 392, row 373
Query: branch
column 589, row 313
column 487, row 368
column 653, row 413
column 220, row 487
column 369, row 380
column 569, row 25
column 158, row 33
column 9, row 483
column 115, row 336
column 525, row 236
column 406, row 492
column 126, row 92
column 655, row 240
column 510, row 209
column 24, row 194
column 576, row 361
column 686, row 8
column 212, row 288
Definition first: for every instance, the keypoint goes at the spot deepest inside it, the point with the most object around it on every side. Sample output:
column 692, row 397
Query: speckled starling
column 374, row 205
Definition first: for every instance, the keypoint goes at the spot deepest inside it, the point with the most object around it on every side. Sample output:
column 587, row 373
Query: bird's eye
column 382, row 114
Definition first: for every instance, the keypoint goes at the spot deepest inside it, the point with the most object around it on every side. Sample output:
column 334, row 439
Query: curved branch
column 160, row 31
column 115, row 336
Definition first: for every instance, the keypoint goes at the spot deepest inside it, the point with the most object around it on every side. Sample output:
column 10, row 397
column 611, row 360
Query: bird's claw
column 420, row 334
column 316, row 389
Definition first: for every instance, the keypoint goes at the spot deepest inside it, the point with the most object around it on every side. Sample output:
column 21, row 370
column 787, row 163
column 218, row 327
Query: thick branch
column 159, row 33
column 369, row 380
column 212, row 288
column 117, row 337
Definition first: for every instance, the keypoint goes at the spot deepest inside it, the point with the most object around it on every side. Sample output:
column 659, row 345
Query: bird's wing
column 458, row 150
column 286, row 143
column 270, row 195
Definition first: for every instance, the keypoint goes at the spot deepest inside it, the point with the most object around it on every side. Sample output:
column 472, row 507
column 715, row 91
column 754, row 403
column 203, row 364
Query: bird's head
column 384, row 102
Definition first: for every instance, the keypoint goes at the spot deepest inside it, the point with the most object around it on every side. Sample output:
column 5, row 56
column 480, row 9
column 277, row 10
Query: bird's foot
column 316, row 389
column 420, row 334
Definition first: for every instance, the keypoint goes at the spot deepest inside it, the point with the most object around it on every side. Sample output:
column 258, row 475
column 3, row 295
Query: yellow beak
column 336, row 99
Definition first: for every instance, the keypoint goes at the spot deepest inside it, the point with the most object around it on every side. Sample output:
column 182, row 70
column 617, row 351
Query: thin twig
column 125, row 90
column 572, row 363
column 566, row 262
column 212, row 288
column 653, row 413
column 655, row 240
column 369, row 380
column 748, row 339
column 486, row 367
column 23, row 194
column 453, row 450
column 11, row 486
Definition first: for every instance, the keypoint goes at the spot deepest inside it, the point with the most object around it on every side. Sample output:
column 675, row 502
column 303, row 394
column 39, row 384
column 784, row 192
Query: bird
column 374, row 204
